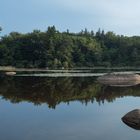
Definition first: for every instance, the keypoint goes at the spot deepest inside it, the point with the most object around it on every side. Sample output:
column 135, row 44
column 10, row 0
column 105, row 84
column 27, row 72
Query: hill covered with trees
column 54, row 49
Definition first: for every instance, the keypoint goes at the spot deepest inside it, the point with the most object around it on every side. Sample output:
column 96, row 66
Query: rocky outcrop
column 132, row 119
column 10, row 73
column 119, row 79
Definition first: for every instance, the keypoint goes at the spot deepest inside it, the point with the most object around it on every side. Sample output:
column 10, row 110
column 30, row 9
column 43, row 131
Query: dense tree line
column 54, row 49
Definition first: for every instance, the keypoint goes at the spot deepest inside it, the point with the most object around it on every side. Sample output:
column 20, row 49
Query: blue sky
column 120, row 16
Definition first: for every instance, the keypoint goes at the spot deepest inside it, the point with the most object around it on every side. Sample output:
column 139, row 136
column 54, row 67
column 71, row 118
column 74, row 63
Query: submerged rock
column 114, row 79
column 132, row 119
column 10, row 73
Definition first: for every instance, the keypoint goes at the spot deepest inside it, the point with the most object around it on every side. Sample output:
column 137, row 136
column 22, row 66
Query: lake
column 68, row 105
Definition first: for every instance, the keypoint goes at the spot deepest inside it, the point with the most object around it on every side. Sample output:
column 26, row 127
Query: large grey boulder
column 116, row 79
column 132, row 119
column 10, row 73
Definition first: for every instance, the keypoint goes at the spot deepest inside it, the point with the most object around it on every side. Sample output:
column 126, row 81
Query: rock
column 119, row 79
column 10, row 73
column 132, row 119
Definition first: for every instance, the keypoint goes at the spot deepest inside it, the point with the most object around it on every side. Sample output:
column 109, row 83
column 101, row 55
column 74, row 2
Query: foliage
column 54, row 49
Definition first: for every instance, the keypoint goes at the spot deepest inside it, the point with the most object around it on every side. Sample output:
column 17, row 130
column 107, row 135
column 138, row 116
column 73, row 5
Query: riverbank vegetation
column 54, row 49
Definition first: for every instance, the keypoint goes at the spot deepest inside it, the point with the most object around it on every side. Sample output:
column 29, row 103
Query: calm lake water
column 65, row 108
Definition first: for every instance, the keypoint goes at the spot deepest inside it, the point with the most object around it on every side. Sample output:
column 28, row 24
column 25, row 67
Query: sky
column 119, row 16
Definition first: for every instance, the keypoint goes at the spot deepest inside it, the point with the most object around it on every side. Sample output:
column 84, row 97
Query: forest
column 55, row 50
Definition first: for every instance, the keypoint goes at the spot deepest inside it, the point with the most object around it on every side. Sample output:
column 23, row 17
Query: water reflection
column 53, row 91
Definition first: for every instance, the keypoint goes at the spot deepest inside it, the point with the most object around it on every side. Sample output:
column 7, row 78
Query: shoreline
column 10, row 68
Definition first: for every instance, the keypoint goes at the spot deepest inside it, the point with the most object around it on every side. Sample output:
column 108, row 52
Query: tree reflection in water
column 53, row 91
